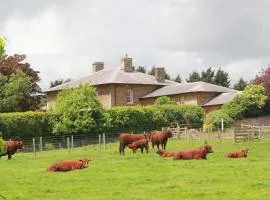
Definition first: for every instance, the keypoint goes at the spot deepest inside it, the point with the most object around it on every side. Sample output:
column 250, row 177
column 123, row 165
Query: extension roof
column 222, row 99
column 182, row 88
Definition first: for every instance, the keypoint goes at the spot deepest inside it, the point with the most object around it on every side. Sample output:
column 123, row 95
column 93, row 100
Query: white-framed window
column 129, row 96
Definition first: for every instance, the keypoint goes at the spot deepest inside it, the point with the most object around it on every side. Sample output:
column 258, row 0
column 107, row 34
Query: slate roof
column 222, row 99
column 112, row 76
column 182, row 88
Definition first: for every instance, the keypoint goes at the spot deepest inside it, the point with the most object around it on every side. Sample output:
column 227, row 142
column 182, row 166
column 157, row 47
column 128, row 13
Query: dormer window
column 129, row 96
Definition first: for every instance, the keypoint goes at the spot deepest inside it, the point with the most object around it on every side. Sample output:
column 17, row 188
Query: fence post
column 219, row 136
column 234, row 135
column 72, row 142
column 68, row 144
column 34, row 146
column 40, row 143
column 104, row 142
column 99, row 141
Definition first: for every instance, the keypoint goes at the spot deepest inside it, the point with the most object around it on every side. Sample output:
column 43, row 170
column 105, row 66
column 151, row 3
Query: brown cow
column 11, row 147
column 126, row 139
column 198, row 154
column 160, row 138
column 68, row 165
column 165, row 154
column 142, row 144
column 241, row 154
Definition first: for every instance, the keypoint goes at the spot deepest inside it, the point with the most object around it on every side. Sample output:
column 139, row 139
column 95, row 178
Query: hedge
column 25, row 124
column 117, row 119
column 147, row 118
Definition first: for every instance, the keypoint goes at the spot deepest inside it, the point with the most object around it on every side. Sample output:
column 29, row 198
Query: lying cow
column 198, row 154
column 241, row 154
column 11, row 147
column 142, row 144
column 68, row 165
column 125, row 139
column 165, row 154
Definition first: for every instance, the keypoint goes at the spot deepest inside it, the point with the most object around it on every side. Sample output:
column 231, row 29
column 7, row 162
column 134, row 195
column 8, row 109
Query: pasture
column 147, row 176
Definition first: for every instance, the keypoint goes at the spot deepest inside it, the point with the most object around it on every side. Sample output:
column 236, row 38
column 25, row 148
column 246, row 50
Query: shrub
column 2, row 145
column 214, row 119
column 78, row 110
column 165, row 100
column 26, row 124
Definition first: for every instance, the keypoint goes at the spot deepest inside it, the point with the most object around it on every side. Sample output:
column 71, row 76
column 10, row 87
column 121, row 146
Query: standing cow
column 125, row 139
column 160, row 138
column 11, row 148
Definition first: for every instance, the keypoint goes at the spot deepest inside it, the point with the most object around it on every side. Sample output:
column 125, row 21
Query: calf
column 125, row 139
column 142, row 144
column 165, row 154
column 11, row 148
column 68, row 165
column 241, row 154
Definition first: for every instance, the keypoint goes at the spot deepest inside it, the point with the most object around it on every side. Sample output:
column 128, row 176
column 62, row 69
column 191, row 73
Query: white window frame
column 129, row 97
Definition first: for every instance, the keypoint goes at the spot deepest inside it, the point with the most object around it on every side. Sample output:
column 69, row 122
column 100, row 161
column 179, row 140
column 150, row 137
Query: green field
column 111, row 176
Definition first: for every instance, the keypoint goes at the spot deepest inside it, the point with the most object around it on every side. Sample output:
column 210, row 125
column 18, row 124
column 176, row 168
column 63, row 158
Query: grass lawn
column 111, row 176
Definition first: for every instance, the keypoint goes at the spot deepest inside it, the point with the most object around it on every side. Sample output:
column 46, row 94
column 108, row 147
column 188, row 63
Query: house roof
column 112, row 76
column 182, row 88
column 222, row 99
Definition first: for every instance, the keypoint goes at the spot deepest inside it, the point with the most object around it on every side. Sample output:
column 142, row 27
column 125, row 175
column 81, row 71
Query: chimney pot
column 126, row 64
column 160, row 74
column 97, row 66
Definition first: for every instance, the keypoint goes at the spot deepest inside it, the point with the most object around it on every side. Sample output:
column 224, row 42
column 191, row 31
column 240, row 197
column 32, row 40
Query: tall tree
column 140, row 69
column 264, row 78
column 2, row 46
column 9, row 65
column 208, row 75
column 222, row 78
column 178, row 79
column 15, row 92
column 59, row 82
column 194, row 77
column 240, row 85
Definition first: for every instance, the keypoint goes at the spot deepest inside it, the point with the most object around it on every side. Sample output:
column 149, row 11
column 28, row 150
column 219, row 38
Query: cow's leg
column 9, row 156
column 141, row 149
column 120, row 149
column 158, row 146
column 153, row 145
column 146, row 149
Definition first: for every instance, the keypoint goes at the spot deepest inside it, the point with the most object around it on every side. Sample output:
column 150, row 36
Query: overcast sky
column 63, row 38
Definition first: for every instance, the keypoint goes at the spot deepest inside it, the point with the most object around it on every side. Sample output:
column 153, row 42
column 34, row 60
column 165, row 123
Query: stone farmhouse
column 124, row 87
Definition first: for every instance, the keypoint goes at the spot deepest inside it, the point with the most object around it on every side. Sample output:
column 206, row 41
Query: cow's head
column 168, row 133
column 208, row 148
column 19, row 144
column 160, row 152
column 84, row 163
column 130, row 146
column 147, row 136
column 245, row 152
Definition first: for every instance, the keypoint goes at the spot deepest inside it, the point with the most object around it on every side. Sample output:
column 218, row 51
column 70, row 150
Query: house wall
column 113, row 94
column 208, row 109
column 51, row 99
column 197, row 98
column 138, row 91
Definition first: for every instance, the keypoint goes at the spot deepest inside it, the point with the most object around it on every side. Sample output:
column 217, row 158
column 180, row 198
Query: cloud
column 62, row 40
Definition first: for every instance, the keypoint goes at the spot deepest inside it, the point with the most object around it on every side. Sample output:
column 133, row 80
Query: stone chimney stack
column 126, row 64
column 97, row 66
column 160, row 74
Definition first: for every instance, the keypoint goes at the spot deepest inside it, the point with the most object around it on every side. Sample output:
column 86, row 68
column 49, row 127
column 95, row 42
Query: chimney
column 126, row 64
column 160, row 74
column 97, row 66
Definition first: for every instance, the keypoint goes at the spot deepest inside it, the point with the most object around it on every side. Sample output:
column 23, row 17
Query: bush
column 148, row 118
column 78, row 110
column 2, row 145
column 214, row 119
column 26, row 124
column 165, row 100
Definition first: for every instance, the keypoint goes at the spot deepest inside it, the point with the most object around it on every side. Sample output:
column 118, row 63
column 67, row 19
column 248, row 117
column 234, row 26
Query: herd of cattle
column 134, row 142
